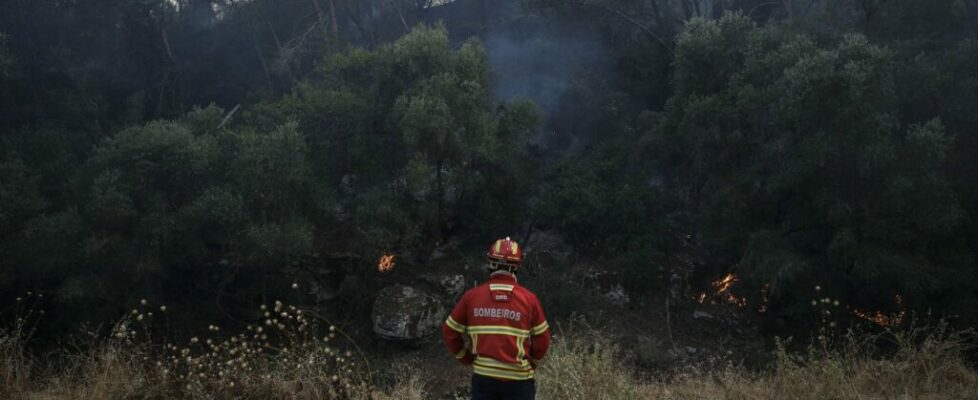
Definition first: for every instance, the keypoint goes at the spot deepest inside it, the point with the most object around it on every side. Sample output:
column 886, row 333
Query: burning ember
column 721, row 292
column 386, row 263
column 882, row 319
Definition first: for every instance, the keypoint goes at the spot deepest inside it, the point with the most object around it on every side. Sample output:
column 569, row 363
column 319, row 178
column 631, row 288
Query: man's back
column 506, row 325
column 507, row 330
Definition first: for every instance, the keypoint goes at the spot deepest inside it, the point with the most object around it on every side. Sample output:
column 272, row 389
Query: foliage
column 413, row 138
column 830, row 142
column 157, row 203
column 798, row 188
column 196, row 203
column 611, row 214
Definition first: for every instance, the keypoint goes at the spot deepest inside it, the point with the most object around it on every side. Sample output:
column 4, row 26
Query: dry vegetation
column 928, row 364
column 298, row 365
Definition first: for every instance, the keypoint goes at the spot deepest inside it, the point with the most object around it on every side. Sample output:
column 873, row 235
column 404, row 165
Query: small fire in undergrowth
column 386, row 263
column 883, row 319
column 722, row 292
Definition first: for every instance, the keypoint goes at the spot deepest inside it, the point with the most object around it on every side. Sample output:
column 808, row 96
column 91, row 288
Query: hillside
column 210, row 199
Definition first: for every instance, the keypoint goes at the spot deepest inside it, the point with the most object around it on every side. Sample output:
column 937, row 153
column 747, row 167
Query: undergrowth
column 296, row 354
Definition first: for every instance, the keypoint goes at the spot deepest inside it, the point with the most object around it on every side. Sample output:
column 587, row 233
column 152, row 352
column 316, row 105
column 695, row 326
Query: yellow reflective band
column 475, row 344
column 455, row 326
column 499, row 330
column 502, row 374
column 516, row 248
column 460, row 355
column 499, row 246
column 520, row 352
column 500, row 286
column 493, row 363
column 536, row 330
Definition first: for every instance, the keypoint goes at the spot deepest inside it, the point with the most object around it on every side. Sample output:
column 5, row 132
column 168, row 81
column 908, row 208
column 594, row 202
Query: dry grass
column 15, row 363
column 292, row 354
column 586, row 368
column 924, row 368
column 928, row 365
column 297, row 364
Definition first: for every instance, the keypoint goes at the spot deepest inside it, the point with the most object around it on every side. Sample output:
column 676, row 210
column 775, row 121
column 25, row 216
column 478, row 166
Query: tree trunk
column 716, row 9
column 360, row 24
column 403, row 21
column 687, row 10
column 322, row 20
column 264, row 65
column 332, row 17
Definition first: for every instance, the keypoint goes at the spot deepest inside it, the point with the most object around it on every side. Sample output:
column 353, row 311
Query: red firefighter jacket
column 506, row 325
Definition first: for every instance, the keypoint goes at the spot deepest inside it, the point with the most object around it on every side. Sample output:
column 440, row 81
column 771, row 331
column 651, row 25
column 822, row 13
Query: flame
column 880, row 318
column 722, row 293
column 386, row 263
column 724, row 284
column 883, row 319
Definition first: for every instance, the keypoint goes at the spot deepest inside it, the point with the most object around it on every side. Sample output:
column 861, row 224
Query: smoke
column 539, row 58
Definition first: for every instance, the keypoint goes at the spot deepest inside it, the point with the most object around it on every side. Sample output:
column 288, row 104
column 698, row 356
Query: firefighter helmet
column 505, row 253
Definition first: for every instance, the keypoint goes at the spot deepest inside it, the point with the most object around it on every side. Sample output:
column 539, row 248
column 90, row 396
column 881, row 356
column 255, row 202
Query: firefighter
column 508, row 333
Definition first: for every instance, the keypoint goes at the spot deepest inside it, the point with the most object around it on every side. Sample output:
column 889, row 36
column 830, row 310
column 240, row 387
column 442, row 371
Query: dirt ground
column 656, row 341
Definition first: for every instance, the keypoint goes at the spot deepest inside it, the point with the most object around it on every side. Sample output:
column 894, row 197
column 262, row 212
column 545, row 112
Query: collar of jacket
column 502, row 276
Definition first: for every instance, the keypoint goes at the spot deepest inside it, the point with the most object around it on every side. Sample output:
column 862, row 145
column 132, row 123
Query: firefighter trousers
column 486, row 388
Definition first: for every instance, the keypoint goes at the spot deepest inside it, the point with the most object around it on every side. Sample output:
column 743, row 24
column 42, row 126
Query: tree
column 178, row 211
column 793, row 158
column 411, row 133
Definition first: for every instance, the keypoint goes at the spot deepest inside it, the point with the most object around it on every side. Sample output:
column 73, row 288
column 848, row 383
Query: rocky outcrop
column 452, row 285
column 405, row 313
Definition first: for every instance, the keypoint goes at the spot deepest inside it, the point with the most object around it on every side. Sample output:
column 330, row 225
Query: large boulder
column 405, row 313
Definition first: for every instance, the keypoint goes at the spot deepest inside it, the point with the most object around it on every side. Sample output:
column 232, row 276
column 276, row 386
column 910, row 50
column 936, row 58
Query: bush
column 586, row 367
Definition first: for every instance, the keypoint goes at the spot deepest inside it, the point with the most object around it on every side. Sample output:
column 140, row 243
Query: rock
column 702, row 315
column 405, row 313
column 453, row 285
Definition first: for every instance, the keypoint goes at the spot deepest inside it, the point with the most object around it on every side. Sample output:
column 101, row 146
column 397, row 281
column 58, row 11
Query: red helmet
column 505, row 252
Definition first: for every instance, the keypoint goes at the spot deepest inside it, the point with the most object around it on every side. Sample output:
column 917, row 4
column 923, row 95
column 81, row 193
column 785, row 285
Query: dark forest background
column 207, row 153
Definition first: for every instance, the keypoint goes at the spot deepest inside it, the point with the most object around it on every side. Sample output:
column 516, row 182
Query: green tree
column 794, row 159
column 410, row 133
column 182, row 204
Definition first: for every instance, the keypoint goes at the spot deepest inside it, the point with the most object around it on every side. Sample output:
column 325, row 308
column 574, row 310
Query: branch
column 632, row 21
column 228, row 117
column 770, row 3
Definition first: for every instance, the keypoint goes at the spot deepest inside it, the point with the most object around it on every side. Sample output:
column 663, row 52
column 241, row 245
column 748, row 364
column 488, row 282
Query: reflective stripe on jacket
column 506, row 325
